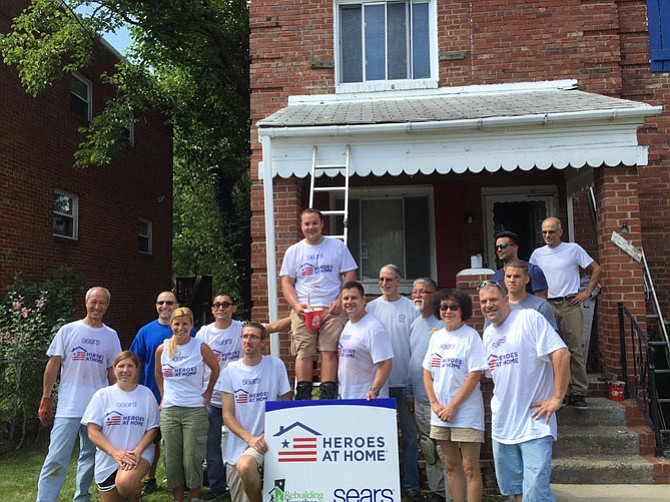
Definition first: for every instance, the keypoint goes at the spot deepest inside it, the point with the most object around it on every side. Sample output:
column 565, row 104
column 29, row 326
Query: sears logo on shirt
column 499, row 342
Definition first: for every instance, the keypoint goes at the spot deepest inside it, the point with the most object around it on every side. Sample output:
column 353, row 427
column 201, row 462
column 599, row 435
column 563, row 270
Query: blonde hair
column 178, row 312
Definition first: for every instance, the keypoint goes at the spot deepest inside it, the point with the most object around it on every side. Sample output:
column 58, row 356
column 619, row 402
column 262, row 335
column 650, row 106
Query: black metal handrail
column 641, row 386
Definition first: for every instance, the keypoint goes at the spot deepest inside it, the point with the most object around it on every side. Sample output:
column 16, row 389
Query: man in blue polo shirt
column 507, row 249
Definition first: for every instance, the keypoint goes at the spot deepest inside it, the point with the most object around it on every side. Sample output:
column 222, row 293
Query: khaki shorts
column 233, row 480
column 456, row 434
column 303, row 340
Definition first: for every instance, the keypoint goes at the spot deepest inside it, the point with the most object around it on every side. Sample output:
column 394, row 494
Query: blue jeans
column 216, row 471
column 525, row 468
column 63, row 435
column 410, row 446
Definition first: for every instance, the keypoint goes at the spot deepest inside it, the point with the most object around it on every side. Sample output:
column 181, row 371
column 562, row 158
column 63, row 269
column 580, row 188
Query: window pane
column 62, row 204
column 382, row 235
column 397, row 40
column 351, row 43
column 63, row 225
column 420, row 41
column 79, row 88
column 143, row 228
column 375, row 43
column 417, row 240
column 143, row 244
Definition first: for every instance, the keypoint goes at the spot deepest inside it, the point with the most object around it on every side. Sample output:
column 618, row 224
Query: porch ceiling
column 475, row 128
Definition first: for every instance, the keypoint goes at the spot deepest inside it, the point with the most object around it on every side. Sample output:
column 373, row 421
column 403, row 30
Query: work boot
column 328, row 390
column 303, row 391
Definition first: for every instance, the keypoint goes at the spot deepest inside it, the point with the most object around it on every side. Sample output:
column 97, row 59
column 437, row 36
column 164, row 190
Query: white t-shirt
column 251, row 387
column 520, row 364
column 86, row 354
column 397, row 318
column 183, row 375
column 227, row 347
column 124, row 417
column 317, row 270
column 421, row 332
column 561, row 267
column 450, row 358
column 362, row 346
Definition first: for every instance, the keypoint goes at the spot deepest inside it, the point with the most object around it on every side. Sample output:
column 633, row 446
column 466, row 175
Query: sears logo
column 363, row 495
column 498, row 343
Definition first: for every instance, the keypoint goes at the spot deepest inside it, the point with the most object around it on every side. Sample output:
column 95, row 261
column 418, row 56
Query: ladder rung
column 330, row 189
column 341, row 237
column 663, row 400
column 333, row 212
column 324, row 167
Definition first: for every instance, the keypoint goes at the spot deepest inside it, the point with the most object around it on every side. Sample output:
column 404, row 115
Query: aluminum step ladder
column 344, row 190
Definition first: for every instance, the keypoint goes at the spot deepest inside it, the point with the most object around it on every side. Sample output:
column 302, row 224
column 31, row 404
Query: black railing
column 636, row 348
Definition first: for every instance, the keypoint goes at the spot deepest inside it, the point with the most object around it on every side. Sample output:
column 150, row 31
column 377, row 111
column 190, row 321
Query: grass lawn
column 20, row 471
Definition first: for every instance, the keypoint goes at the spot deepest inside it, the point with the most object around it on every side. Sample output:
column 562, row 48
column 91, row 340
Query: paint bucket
column 615, row 391
column 313, row 318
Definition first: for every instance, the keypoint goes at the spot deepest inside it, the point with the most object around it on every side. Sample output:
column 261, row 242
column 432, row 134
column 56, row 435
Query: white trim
column 490, row 195
column 149, row 236
column 89, row 89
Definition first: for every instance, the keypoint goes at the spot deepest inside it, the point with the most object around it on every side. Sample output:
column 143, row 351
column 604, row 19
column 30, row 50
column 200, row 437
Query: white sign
column 331, row 451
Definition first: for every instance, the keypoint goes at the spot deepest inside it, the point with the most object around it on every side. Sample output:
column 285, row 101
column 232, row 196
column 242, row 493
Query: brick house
column 460, row 119
column 113, row 224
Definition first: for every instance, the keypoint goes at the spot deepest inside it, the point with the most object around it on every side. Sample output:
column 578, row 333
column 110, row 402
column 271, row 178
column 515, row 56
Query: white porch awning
column 477, row 128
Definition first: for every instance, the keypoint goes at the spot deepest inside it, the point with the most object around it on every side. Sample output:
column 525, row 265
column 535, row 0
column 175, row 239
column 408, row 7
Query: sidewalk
column 611, row 493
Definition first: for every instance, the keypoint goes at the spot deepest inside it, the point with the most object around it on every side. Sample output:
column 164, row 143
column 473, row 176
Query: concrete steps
column 595, row 446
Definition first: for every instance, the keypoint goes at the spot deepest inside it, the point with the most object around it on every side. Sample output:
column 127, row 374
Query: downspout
column 270, row 246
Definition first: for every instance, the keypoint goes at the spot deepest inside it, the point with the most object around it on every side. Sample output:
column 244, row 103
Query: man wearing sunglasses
column 146, row 341
column 507, row 249
column 224, row 337
column 561, row 262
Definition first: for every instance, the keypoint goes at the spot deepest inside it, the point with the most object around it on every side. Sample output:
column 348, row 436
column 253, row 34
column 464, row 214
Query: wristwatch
column 376, row 391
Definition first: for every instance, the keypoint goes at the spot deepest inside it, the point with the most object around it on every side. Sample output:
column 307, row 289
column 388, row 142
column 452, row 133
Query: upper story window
column 81, row 96
column 658, row 12
column 65, row 215
column 386, row 45
column 144, row 236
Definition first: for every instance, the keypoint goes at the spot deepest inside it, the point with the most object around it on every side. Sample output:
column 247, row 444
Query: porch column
column 617, row 197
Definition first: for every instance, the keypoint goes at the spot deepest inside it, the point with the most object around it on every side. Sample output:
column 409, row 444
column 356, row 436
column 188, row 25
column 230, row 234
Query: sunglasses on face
column 500, row 247
column 548, row 232
column 165, row 302
column 454, row 308
column 223, row 305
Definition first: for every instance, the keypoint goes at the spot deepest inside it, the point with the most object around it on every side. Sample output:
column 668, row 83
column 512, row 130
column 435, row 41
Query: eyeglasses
column 500, row 247
column 251, row 337
column 387, row 279
column 453, row 307
column 223, row 305
column 492, row 283
column 165, row 302
column 548, row 232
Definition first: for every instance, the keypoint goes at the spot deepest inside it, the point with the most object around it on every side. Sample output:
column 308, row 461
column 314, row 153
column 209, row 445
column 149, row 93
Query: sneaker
column 579, row 402
column 567, row 400
column 214, row 496
column 414, row 496
column 436, row 497
column 149, row 486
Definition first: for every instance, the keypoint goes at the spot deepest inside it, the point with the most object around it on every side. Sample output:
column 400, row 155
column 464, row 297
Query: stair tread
column 581, row 430
column 590, row 460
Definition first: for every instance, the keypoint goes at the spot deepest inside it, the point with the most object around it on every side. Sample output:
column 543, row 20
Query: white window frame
column 74, row 216
column 385, row 192
column 490, row 196
column 89, row 97
column 387, row 85
column 130, row 127
column 149, row 237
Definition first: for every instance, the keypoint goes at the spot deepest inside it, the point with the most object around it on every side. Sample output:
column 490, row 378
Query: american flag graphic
column 218, row 356
column 300, row 450
column 242, row 398
column 308, row 270
column 114, row 420
column 493, row 362
column 168, row 371
column 436, row 361
column 79, row 355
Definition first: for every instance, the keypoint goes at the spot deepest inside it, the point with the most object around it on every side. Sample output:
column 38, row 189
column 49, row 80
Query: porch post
column 616, row 191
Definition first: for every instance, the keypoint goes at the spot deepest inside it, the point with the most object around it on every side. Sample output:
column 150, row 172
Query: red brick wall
column 601, row 43
column 38, row 137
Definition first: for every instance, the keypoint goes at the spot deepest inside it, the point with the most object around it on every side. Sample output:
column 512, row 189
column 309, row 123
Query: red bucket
column 313, row 318
column 615, row 391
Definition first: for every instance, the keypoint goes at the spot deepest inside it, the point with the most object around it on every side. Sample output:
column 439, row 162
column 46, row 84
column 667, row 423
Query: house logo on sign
column 299, row 443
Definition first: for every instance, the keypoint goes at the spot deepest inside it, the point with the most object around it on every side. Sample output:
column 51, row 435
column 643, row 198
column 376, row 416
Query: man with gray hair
column 396, row 313
column 561, row 262
column 84, row 352
column 421, row 330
